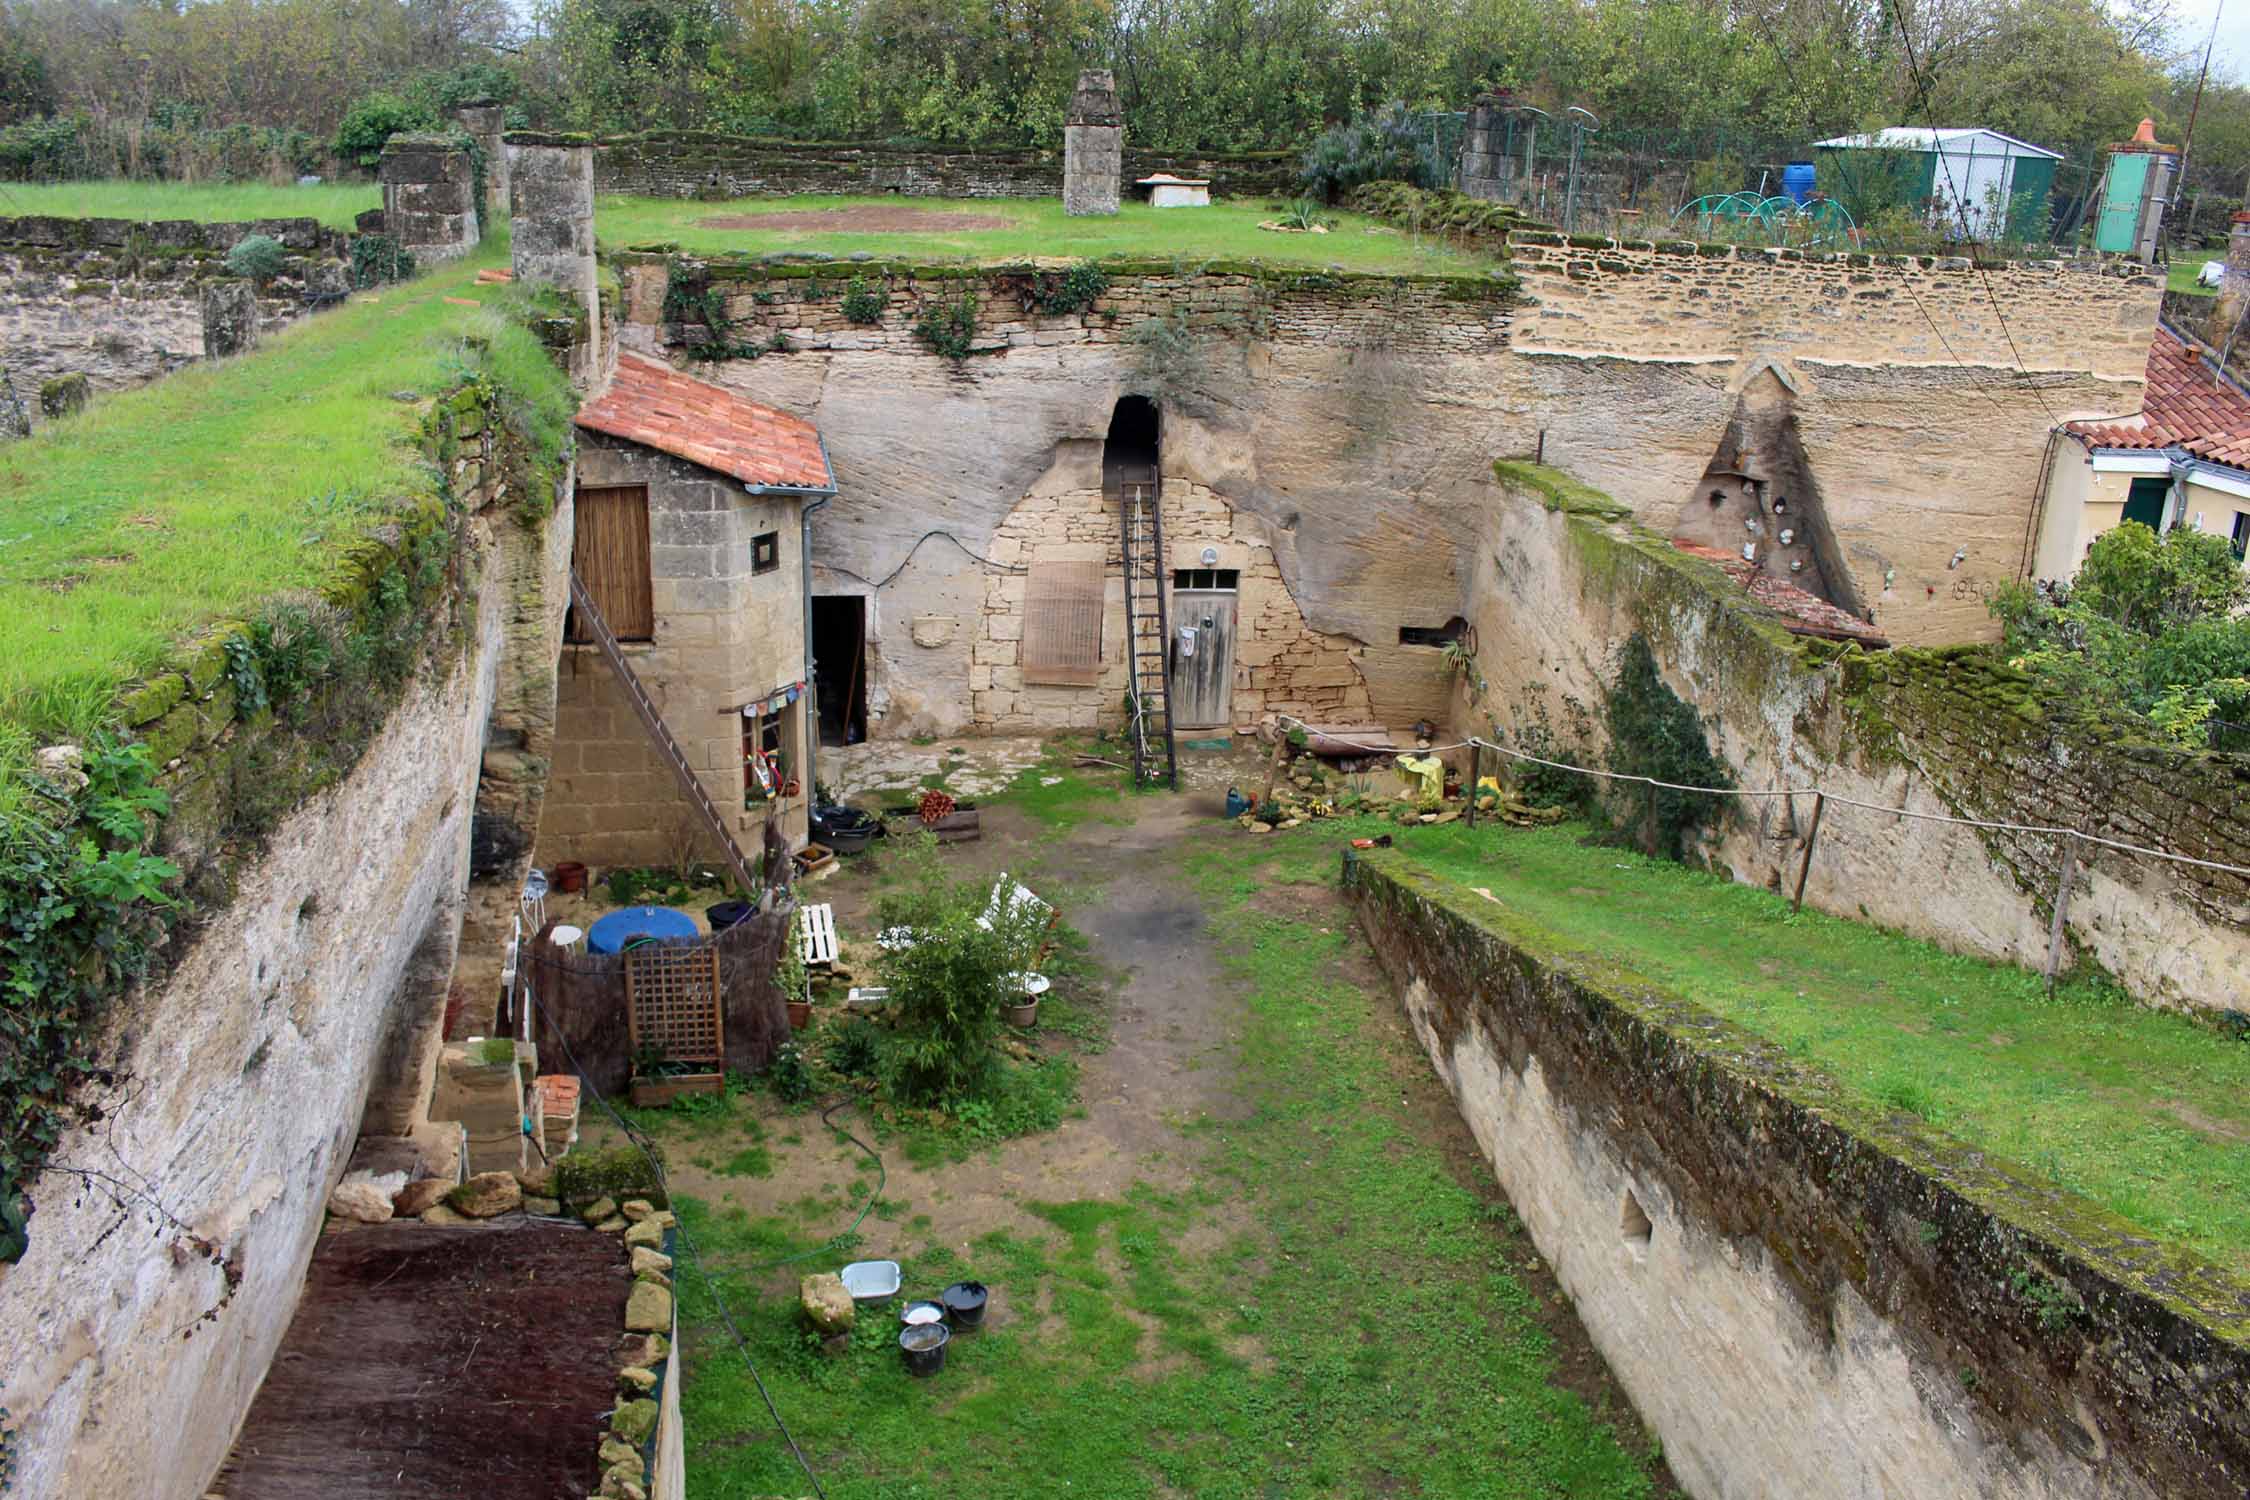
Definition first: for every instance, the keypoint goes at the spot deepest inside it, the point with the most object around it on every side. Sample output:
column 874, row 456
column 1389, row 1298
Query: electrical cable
column 1804, row 791
column 882, row 1180
column 888, row 578
column 687, row 1241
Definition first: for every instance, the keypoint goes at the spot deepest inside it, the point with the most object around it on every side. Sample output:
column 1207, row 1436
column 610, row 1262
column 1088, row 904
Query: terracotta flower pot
column 1025, row 1015
column 800, row 1014
column 570, row 876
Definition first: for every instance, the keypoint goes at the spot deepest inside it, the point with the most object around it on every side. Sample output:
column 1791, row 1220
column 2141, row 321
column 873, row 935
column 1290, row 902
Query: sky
column 2230, row 59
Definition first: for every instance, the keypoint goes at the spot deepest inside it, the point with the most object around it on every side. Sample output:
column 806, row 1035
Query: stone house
column 692, row 510
column 2182, row 460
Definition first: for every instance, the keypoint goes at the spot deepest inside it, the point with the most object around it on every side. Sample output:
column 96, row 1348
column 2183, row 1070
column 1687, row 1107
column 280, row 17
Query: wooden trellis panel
column 1062, row 623
column 672, row 1000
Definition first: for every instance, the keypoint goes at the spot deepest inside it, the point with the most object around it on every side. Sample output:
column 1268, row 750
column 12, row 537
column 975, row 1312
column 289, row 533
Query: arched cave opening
column 1129, row 454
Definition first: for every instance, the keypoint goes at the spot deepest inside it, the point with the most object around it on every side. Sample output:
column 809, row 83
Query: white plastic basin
column 871, row 1280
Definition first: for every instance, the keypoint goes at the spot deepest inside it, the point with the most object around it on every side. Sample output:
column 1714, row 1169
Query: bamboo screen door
column 609, row 548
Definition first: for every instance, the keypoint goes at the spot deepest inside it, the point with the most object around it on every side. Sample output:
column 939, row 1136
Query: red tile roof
column 1801, row 612
column 705, row 424
column 2186, row 406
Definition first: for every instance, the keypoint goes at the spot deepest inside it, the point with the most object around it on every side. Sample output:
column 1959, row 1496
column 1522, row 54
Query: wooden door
column 609, row 550
column 1202, row 658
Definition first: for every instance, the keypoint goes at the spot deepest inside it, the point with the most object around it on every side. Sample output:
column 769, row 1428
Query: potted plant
column 659, row 1079
column 792, row 980
column 1023, row 1003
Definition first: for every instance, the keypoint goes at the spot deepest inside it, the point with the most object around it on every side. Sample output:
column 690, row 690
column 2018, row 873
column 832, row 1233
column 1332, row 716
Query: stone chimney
column 1093, row 145
column 551, row 197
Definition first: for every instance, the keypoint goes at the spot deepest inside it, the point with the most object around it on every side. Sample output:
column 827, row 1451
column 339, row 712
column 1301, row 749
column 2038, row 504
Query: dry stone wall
column 694, row 164
column 121, row 302
column 1799, row 1298
column 309, row 994
column 1952, row 733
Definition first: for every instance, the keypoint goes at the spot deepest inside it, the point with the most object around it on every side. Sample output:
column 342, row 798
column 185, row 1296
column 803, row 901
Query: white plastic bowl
column 871, row 1280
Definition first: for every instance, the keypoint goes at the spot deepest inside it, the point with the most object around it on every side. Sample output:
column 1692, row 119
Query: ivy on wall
column 1653, row 732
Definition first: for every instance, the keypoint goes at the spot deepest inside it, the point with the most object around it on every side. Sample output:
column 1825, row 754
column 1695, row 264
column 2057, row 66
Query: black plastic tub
column 964, row 1303
column 924, row 1347
column 727, row 914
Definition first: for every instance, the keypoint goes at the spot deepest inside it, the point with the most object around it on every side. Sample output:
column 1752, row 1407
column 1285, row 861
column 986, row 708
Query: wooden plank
column 817, row 934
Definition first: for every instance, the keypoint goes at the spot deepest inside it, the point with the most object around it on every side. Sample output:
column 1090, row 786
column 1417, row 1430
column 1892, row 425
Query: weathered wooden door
column 1202, row 657
column 610, row 553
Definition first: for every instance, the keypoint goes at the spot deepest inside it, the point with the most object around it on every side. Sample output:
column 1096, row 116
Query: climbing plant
column 82, row 904
column 864, row 302
column 950, row 327
column 1071, row 290
column 1654, row 733
column 692, row 303
column 377, row 258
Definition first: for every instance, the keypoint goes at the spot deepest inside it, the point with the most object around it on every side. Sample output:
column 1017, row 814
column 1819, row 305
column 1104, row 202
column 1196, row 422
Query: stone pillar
column 2234, row 287
column 230, row 317
column 1487, row 170
column 486, row 124
column 1093, row 145
column 15, row 420
column 429, row 196
column 551, row 198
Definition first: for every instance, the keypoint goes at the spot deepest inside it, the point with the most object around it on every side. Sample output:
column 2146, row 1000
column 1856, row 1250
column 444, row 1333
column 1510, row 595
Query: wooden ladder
column 1147, row 637
column 590, row 620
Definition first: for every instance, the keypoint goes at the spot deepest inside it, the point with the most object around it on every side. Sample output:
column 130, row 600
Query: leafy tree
column 373, row 120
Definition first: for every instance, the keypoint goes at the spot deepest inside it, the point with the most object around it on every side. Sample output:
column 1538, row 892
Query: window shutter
column 1062, row 624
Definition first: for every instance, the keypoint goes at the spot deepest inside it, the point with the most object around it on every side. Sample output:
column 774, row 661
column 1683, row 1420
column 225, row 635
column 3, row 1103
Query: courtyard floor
column 1261, row 1257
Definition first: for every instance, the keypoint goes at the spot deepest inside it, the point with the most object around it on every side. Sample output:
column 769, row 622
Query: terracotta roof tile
column 2185, row 406
column 1801, row 612
column 705, row 424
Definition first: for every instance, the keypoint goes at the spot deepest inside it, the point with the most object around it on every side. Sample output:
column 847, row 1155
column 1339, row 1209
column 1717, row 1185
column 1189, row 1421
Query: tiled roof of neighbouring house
column 1801, row 612
column 2186, row 406
column 706, row 424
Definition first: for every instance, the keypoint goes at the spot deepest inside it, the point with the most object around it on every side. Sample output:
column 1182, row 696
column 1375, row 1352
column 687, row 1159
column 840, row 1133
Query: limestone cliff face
column 1353, row 420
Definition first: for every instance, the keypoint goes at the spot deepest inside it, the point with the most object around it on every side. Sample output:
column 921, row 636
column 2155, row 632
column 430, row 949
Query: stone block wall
column 725, row 636
column 1801, row 1299
column 694, row 164
column 1952, row 732
column 429, row 196
column 121, row 302
column 1280, row 663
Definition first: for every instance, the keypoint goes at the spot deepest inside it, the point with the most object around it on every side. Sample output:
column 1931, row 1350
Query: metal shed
column 1994, row 184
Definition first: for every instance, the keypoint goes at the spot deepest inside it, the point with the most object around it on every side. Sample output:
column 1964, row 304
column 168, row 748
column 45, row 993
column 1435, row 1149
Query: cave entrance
column 839, row 644
column 1129, row 454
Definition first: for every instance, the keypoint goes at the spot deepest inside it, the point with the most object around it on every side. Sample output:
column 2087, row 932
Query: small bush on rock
column 256, row 256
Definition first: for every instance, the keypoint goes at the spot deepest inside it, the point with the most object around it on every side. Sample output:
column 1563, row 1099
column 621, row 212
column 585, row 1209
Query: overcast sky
column 2230, row 59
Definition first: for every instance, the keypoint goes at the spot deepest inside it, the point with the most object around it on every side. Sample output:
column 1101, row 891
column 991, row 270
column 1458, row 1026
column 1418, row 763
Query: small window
column 765, row 552
column 2241, row 533
column 1433, row 635
column 1206, row 578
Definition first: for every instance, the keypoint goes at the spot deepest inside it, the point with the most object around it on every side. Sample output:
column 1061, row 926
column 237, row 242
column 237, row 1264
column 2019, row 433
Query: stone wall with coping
column 306, row 999
column 697, row 164
column 429, row 196
column 725, row 636
column 1563, row 577
column 1799, row 1297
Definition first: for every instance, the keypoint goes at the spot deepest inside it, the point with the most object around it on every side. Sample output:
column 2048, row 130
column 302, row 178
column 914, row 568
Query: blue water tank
column 1797, row 181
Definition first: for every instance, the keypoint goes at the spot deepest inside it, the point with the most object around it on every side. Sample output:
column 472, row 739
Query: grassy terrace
column 1015, row 230
column 334, row 204
column 2145, row 1113
column 166, row 509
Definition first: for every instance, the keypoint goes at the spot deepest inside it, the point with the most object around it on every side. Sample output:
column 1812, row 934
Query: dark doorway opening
column 839, row 643
column 1129, row 455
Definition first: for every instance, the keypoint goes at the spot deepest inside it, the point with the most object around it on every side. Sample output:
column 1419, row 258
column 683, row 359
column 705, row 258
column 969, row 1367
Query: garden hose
column 882, row 1179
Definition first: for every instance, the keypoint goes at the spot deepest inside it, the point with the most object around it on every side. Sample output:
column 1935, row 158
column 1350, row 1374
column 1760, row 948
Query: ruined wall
column 1948, row 732
column 302, row 996
column 725, row 636
column 1801, row 1298
column 120, row 302
column 698, row 164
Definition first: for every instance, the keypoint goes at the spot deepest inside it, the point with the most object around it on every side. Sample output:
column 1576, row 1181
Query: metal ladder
column 1147, row 637
column 590, row 620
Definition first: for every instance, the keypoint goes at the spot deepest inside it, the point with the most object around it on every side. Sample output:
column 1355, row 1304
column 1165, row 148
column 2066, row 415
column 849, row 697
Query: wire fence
column 2070, row 839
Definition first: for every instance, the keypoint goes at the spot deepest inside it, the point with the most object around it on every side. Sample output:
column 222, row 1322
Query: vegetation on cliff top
column 335, row 204
column 2143, row 1112
column 1023, row 229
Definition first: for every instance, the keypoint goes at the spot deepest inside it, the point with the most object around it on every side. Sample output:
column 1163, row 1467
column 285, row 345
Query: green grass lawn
column 182, row 503
column 2181, row 277
column 1319, row 1306
column 1033, row 229
column 2145, row 1113
column 334, row 204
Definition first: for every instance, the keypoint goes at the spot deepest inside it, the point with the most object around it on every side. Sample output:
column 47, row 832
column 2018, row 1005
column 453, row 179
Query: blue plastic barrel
column 1797, row 181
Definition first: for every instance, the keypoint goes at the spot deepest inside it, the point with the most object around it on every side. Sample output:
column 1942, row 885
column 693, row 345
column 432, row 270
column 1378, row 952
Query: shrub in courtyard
column 257, row 256
column 948, row 987
column 1392, row 146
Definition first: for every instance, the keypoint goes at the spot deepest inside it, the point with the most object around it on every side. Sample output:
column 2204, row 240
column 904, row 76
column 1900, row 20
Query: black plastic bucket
column 727, row 914
column 964, row 1303
column 924, row 1347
